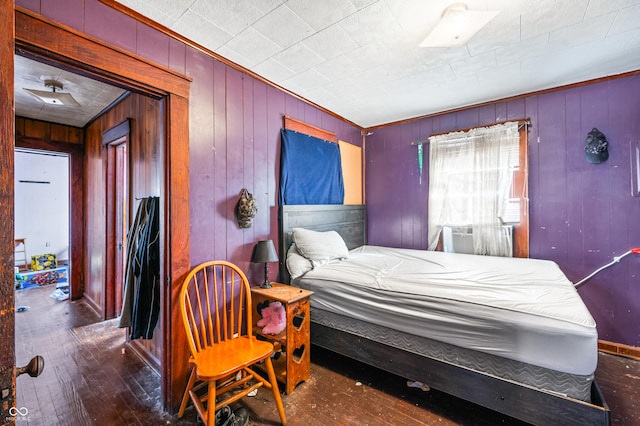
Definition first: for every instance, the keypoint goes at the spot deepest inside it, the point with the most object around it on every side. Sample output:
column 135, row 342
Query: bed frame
column 520, row 401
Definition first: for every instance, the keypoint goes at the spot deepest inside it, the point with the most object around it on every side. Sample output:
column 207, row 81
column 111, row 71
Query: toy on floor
column 273, row 318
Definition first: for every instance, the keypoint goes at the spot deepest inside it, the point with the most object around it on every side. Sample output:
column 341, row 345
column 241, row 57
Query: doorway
column 116, row 141
column 42, row 199
column 100, row 154
column 57, row 44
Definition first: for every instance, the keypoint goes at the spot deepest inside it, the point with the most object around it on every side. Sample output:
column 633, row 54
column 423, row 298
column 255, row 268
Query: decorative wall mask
column 596, row 147
column 246, row 209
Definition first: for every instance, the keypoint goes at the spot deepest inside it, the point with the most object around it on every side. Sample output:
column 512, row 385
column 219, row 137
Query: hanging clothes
column 141, row 302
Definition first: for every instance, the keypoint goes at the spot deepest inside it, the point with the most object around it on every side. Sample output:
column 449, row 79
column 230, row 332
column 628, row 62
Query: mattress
column 524, row 310
column 568, row 385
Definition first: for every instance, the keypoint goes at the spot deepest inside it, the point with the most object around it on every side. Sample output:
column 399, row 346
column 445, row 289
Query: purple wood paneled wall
column 235, row 144
column 581, row 214
column 234, row 131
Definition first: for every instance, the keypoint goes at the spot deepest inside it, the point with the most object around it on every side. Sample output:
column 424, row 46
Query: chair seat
column 224, row 358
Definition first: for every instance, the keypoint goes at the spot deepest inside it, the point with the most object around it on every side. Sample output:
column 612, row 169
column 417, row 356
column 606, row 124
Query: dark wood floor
column 92, row 377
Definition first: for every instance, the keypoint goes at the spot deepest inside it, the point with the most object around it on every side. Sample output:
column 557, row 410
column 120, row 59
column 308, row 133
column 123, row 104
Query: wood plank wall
column 99, row 52
column 233, row 129
column 146, row 162
column 146, row 179
column 49, row 132
column 581, row 214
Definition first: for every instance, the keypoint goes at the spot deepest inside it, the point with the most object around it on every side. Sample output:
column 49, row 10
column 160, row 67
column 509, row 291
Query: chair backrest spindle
column 223, row 308
column 215, row 302
column 214, row 299
column 234, row 291
column 197, row 318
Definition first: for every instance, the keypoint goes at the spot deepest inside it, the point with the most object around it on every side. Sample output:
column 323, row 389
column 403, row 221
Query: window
column 477, row 180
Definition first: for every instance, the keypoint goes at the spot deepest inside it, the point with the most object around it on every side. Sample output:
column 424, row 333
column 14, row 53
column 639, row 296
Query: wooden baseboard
column 619, row 349
column 93, row 305
column 144, row 354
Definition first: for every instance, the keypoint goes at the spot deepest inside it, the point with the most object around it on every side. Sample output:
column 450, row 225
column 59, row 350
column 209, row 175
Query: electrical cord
column 615, row 260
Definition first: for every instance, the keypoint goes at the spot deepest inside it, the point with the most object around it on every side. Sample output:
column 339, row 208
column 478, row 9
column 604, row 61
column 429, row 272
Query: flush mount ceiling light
column 457, row 26
column 54, row 97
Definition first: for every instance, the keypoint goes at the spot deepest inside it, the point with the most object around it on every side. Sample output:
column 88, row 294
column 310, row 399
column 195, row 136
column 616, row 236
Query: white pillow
column 320, row 247
column 297, row 264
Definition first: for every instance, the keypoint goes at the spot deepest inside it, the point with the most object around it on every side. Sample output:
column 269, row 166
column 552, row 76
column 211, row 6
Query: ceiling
column 360, row 58
column 92, row 96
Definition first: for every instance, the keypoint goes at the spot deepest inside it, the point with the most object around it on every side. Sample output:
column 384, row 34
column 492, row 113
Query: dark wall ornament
column 246, row 209
column 596, row 147
column 635, row 167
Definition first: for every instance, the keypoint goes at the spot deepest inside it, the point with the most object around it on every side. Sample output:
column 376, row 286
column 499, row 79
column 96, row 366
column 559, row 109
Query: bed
column 526, row 351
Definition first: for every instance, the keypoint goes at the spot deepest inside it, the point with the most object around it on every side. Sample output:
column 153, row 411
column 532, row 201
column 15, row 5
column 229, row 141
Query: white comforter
column 522, row 309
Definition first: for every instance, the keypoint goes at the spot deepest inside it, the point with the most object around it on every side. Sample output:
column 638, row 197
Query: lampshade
column 457, row 26
column 264, row 252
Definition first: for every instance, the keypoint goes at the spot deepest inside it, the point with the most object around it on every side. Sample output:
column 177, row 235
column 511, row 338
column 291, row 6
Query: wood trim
column 507, row 99
column 117, row 170
column 38, row 37
column 45, row 131
column 161, row 28
column 619, row 349
column 7, row 276
column 302, row 127
column 176, row 353
column 116, row 132
column 521, row 181
column 76, row 202
column 364, row 167
column 94, row 305
column 56, row 44
column 145, row 355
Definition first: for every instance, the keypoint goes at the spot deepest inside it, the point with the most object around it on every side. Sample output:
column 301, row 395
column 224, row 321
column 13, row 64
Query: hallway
column 91, row 377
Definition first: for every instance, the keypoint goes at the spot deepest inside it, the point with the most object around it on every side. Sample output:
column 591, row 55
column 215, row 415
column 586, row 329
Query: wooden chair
column 215, row 303
column 20, row 249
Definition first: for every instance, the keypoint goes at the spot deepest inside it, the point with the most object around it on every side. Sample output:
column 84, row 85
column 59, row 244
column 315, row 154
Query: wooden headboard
column 347, row 220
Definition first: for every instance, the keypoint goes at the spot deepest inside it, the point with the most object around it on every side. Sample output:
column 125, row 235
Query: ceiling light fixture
column 457, row 26
column 54, row 97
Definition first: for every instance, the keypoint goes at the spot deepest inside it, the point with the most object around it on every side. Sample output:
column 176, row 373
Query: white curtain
column 470, row 175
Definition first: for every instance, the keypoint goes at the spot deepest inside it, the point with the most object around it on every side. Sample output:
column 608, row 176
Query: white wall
column 42, row 209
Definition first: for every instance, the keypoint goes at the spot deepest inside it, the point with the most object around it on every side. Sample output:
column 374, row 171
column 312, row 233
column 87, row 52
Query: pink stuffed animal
column 273, row 318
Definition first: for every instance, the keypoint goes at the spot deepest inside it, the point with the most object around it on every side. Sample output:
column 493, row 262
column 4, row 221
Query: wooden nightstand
column 293, row 365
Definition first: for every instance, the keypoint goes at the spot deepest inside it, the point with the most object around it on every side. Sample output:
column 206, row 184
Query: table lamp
column 265, row 252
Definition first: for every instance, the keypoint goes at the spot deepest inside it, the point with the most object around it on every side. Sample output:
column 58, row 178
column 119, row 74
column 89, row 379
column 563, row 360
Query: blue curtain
column 310, row 170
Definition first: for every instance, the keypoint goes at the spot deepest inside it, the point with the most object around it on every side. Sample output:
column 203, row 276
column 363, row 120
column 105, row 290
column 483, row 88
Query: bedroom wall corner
column 581, row 214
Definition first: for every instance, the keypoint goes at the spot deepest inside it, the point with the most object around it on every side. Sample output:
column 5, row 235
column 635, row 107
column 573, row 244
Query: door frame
column 7, row 275
column 118, row 201
column 48, row 41
column 75, row 154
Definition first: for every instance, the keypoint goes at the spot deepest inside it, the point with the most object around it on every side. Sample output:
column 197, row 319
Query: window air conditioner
column 459, row 239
